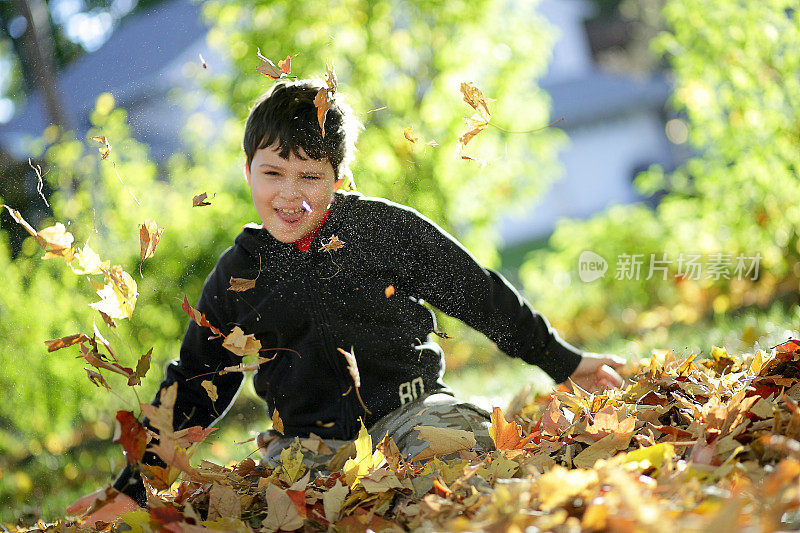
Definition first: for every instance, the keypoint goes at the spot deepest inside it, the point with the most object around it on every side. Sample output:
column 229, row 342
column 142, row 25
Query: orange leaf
column 333, row 244
column 507, row 435
column 64, row 342
column 324, row 99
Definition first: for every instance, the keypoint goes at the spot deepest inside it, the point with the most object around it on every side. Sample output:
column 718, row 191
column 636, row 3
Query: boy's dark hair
column 287, row 114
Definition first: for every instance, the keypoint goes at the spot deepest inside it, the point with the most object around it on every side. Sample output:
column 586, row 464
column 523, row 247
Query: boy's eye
column 311, row 177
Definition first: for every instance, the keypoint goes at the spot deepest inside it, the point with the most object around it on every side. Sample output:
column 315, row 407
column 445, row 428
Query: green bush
column 735, row 69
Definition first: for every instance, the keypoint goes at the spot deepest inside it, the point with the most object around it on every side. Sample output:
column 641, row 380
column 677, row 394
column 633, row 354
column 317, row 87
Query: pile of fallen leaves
column 686, row 445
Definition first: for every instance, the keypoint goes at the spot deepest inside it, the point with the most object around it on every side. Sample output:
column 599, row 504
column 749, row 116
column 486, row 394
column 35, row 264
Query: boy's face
column 280, row 186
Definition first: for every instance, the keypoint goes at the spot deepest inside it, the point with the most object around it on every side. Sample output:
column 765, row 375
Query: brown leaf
column 408, row 133
column 281, row 511
column 241, row 344
column 241, row 284
column 113, row 367
column 64, row 342
column 223, row 502
column 199, row 318
column 443, row 441
column 474, row 97
column 97, row 378
column 277, row 423
column 200, row 200
column 149, row 235
column 211, row 390
column 142, row 366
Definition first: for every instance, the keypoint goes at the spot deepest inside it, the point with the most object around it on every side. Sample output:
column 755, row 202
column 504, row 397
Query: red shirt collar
column 304, row 243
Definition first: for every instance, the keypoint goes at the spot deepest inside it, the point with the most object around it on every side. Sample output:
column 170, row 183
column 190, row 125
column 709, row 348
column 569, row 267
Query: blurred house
column 141, row 64
column 615, row 124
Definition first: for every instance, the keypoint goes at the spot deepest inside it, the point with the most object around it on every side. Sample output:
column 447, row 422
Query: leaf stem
column 527, row 131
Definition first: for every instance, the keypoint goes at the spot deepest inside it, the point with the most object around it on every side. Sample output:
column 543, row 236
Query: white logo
column 591, row 266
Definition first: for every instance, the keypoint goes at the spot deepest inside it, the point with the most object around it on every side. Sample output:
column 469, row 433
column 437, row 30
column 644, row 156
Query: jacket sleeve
column 198, row 356
column 446, row 275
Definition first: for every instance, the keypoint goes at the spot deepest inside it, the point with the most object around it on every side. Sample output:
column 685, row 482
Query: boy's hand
column 598, row 371
column 110, row 512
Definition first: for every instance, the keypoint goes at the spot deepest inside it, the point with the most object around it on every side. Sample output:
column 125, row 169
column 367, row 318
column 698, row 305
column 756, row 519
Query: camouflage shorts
column 432, row 409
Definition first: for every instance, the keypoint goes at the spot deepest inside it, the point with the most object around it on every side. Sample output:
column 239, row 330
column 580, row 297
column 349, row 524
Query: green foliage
column 48, row 398
column 735, row 67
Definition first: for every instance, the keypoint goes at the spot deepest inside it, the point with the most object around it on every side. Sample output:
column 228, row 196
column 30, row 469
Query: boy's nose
column 290, row 191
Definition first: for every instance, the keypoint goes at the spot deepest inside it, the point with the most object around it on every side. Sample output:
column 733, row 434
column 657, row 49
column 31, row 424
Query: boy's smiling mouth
column 290, row 216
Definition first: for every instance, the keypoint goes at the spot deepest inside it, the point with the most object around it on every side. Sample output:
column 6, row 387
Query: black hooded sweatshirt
column 307, row 305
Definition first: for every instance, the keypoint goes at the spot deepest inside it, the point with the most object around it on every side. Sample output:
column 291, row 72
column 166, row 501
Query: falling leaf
column 57, row 242
column 88, row 262
column 203, row 61
column 389, row 291
column 211, row 390
column 105, row 150
column 270, row 70
column 286, row 64
column 113, row 367
column 277, row 423
column 333, row 244
column 241, row 344
column 325, row 96
column 199, row 318
column 149, row 235
column 131, row 435
column 97, row 378
column 64, row 342
column 478, row 121
column 194, row 434
column 306, row 207
column 142, row 366
column 200, row 200
column 241, row 284
column 102, row 340
column 352, row 367
column 443, row 441
column 242, row 367
column 408, row 133
column 118, row 297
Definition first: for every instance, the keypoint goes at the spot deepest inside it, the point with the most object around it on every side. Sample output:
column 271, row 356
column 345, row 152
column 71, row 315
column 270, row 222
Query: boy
column 313, row 298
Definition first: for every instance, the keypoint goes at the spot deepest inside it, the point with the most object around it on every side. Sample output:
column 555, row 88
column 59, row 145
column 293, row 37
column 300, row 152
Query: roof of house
column 133, row 64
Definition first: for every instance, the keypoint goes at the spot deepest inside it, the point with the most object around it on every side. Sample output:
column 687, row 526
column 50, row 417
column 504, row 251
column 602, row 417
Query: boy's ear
column 247, row 173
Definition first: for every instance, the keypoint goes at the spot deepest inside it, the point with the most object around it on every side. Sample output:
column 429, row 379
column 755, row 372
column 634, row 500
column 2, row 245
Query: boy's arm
column 198, row 356
column 446, row 275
